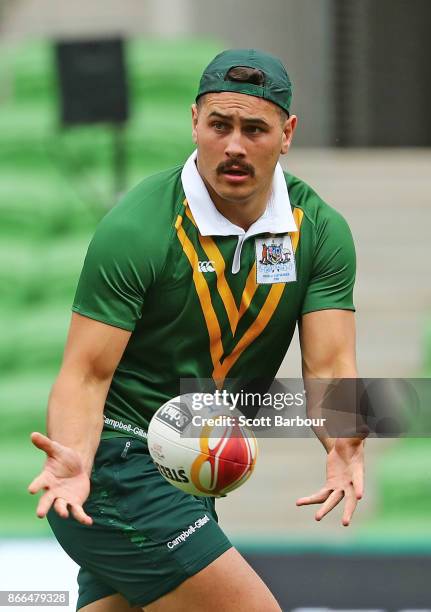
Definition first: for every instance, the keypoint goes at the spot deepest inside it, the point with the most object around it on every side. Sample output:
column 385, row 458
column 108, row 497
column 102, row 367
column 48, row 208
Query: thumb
column 43, row 443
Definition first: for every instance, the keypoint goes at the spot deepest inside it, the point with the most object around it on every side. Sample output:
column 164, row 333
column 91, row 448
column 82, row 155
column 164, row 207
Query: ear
column 194, row 123
column 288, row 130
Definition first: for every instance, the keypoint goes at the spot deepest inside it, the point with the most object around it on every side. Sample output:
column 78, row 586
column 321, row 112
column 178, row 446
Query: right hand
column 64, row 480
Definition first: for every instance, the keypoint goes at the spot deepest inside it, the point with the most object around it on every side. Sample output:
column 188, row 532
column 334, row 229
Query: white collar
column 277, row 218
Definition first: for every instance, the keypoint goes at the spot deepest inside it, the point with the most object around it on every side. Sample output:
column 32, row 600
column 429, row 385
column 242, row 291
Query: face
column 239, row 140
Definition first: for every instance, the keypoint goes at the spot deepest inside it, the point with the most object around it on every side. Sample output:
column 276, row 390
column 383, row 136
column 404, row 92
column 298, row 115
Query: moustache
column 237, row 164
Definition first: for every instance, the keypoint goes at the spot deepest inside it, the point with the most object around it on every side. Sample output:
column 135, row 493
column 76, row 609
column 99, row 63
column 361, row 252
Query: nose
column 235, row 145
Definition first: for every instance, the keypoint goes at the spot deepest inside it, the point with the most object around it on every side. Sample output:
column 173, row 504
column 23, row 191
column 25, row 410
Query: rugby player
column 200, row 271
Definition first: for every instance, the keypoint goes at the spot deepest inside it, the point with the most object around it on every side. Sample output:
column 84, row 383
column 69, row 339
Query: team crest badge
column 275, row 260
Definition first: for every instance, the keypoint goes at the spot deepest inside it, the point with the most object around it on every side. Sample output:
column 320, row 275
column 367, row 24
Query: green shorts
column 147, row 536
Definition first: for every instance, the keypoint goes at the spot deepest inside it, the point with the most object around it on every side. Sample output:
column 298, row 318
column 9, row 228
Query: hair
column 244, row 74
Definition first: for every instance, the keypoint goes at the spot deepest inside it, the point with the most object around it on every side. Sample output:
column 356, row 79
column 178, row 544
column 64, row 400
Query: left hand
column 344, row 479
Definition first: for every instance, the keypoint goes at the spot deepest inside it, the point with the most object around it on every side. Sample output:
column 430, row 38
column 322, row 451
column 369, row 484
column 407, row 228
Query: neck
column 245, row 213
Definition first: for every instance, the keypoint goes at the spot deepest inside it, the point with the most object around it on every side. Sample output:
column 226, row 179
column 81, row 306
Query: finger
column 44, row 504
column 331, row 502
column 60, row 506
column 79, row 514
column 40, row 482
column 358, row 482
column 316, row 498
column 43, row 443
column 349, row 507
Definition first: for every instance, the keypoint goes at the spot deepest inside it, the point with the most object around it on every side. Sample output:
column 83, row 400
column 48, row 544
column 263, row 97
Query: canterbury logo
column 206, row 266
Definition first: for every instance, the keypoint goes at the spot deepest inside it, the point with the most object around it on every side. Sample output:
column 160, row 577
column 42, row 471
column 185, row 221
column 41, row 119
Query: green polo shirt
column 149, row 270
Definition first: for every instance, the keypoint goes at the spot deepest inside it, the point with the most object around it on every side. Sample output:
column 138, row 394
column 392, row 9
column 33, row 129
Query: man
column 174, row 286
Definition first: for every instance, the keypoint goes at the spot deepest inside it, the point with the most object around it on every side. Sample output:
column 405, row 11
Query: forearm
column 333, row 401
column 315, row 399
column 75, row 413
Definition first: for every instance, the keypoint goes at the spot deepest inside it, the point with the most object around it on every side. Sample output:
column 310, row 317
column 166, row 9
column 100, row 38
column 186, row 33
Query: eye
column 219, row 126
column 254, row 129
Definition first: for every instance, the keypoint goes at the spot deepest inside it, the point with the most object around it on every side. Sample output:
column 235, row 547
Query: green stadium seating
column 55, row 185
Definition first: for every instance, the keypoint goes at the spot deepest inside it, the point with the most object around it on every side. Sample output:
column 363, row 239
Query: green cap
column 276, row 86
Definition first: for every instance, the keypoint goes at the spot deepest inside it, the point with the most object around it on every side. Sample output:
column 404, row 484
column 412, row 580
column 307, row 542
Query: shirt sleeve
column 120, row 266
column 334, row 266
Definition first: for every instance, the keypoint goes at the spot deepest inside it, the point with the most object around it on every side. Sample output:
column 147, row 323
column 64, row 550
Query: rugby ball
column 207, row 455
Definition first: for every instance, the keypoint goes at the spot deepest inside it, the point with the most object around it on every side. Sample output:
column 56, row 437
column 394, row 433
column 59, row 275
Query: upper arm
column 333, row 271
column 122, row 263
column 93, row 349
column 327, row 323
column 327, row 340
